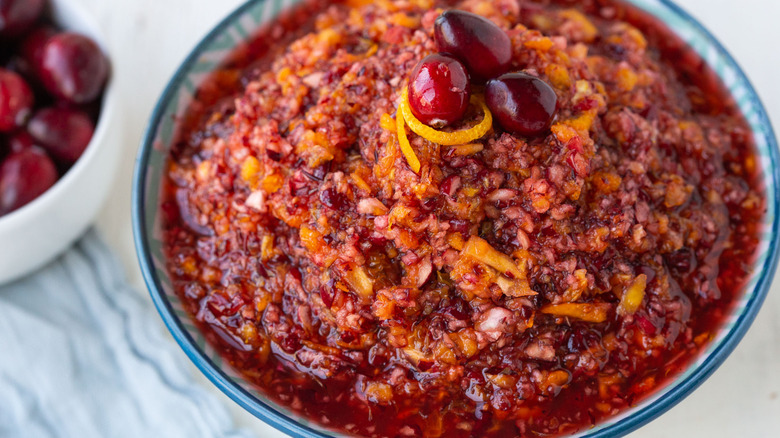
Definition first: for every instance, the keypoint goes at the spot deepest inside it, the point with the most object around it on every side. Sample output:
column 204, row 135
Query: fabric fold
column 83, row 355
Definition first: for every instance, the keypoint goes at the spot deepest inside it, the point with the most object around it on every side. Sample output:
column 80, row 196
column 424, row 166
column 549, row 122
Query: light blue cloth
column 82, row 355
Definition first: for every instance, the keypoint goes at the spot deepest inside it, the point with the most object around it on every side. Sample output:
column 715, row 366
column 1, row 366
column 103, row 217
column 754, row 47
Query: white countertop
column 149, row 38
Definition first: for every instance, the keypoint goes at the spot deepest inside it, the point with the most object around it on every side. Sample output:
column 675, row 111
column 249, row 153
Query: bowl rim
column 21, row 216
column 290, row 426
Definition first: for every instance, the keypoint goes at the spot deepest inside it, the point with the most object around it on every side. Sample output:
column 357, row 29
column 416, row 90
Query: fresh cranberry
column 16, row 100
column 64, row 132
column 439, row 90
column 20, row 141
column 484, row 47
column 31, row 48
column 73, row 67
column 16, row 16
column 522, row 104
column 24, row 176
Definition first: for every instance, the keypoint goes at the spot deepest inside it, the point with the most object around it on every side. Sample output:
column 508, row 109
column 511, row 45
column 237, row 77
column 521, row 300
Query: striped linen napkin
column 83, row 355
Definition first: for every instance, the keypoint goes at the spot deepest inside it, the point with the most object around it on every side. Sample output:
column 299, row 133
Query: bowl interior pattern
column 245, row 22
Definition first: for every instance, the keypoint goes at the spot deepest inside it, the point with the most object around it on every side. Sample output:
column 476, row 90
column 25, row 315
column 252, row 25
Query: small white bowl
column 33, row 235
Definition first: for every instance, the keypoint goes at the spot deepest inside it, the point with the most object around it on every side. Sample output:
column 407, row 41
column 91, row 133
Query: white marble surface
column 149, row 38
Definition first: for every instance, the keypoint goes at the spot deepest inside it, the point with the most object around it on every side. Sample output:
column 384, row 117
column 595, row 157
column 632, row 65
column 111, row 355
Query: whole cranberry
column 16, row 16
column 20, row 140
column 439, row 90
column 73, row 67
column 522, row 104
column 484, row 47
column 16, row 100
column 63, row 132
column 31, row 48
column 24, row 176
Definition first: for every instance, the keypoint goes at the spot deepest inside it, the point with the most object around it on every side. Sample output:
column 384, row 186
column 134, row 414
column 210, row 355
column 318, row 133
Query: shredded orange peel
column 461, row 137
column 403, row 141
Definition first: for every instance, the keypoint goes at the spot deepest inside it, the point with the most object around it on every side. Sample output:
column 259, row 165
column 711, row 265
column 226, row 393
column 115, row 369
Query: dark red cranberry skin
column 16, row 100
column 333, row 199
column 484, row 47
column 72, row 67
column 439, row 90
column 63, row 132
column 16, row 16
column 24, row 176
column 20, row 141
column 522, row 104
column 31, row 48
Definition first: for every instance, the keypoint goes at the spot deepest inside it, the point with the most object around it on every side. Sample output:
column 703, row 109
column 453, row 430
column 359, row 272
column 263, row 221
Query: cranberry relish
column 514, row 285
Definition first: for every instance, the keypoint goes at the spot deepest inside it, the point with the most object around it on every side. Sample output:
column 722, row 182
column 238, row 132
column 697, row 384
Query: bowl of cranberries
column 56, row 102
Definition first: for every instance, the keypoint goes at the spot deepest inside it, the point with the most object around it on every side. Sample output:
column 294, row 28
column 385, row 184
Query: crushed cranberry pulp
column 383, row 281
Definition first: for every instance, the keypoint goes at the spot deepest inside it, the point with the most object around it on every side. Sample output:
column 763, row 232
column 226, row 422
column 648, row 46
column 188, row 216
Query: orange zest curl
column 403, row 141
column 442, row 137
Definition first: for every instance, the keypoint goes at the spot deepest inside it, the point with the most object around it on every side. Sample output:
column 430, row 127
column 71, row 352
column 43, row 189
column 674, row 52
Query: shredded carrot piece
column 403, row 141
column 447, row 138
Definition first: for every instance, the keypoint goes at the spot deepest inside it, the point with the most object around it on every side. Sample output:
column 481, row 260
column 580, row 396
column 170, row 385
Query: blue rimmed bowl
column 237, row 28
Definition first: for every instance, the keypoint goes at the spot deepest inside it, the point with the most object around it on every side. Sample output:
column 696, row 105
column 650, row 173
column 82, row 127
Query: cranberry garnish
column 73, row 67
column 439, row 90
column 484, row 47
column 523, row 104
column 16, row 16
column 64, row 132
column 24, row 176
column 16, row 100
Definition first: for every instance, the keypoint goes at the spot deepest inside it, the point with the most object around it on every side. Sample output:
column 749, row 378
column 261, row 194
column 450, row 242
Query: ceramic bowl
column 245, row 21
column 36, row 233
